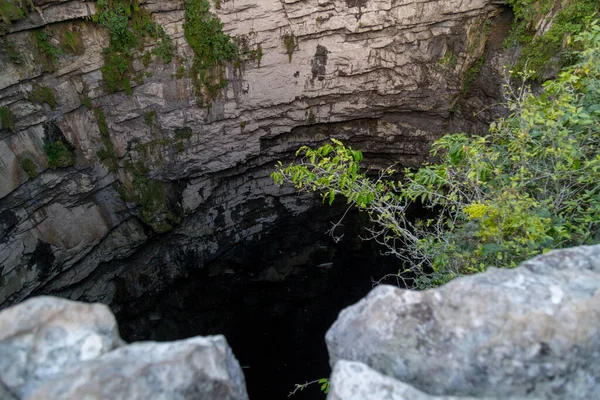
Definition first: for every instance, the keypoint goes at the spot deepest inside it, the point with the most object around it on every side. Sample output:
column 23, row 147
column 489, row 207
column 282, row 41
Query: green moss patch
column 545, row 53
column 10, row 51
column 13, row 10
column 7, row 119
column 42, row 94
column 449, row 59
column 129, row 26
column 72, row 42
column 59, row 154
column 212, row 49
column 48, row 53
column 151, row 195
column 472, row 74
column 289, row 41
column 29, row 167
column 107, row 155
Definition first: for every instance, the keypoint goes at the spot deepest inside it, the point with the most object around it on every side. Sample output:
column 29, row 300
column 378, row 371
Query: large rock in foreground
column 530, row 332
column 353, row 380
column 58, row 349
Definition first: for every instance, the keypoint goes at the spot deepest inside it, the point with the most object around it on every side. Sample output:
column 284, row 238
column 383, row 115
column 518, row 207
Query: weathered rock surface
column 530, row 332
column 42, row 336
column 351, row 380
column 382, row 75
column 59, row 349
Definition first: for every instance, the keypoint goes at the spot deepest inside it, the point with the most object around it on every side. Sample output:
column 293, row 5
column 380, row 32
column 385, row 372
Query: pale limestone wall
column 382, row 87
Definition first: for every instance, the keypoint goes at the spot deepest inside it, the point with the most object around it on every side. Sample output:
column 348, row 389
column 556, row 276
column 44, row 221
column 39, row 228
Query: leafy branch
column 529, row 186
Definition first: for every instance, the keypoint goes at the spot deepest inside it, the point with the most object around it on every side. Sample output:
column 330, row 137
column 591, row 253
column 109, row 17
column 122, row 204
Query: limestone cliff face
column 387, row 76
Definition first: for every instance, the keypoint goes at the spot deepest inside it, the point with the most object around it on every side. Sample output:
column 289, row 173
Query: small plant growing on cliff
column 496, row 200
column 323, row 386
column 42, row 94
column 7, row 119
column 544, row 52
column 449, row 59
column 13, row 55
column 212, row 49
column 29, row 167
column 472, row 74
column 107, row 155
column 87, row 102
column 72, row 42
column 129, row 26
column 48, row 51
column 13, row 10
column 259, row 54
column 59, row 154
column 289, row 41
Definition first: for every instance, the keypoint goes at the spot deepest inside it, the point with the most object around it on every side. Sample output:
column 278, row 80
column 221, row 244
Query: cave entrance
column 273, row 300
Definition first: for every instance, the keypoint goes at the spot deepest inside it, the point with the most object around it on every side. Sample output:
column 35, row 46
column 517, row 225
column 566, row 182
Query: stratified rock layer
column 530, row 332
column 59, row 349
column 383, row 75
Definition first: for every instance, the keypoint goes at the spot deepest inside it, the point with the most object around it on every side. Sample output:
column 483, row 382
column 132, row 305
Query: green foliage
column 183, row 133
column 59, row 154
column 152, row 197
column 42, row 94
column 149, row 117
column 323, row 386
column 29, row 167
column 541, row 53
column 259, row 54
column 212, row 48
column 13, row 55
column 116, row 71
column 449, row 59
column 7, row 119
column 165, row 49
column 86, row 101
column 472, row 74
column 48, row 52
column 107, row 155
column 180, row 73
column 72, row 42
column 289, row 41
column 14, row 10
column 528, row 187
column 129, row 26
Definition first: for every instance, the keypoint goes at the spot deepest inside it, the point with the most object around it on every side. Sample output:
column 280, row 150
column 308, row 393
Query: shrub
column 289, row 41
column 541, row 53
column 49, row 53
column 531, row 185
column 58, row 153
column 13, row 55
column 42, row 94
column 129, row 26
column 7, row 119
column 211, row 46
column 14, row 10
column 29, row 167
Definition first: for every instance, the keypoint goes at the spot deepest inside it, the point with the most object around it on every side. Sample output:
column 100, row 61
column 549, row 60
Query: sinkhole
column 273, row 299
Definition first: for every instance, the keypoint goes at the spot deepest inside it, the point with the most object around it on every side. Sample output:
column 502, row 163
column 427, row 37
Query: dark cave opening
column 273, row 299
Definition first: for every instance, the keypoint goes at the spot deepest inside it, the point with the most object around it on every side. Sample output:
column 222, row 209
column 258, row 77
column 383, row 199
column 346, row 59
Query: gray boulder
column 57, row 349
column 196, row 368
column 352, row 380
column 42, row 336
column 529, row 332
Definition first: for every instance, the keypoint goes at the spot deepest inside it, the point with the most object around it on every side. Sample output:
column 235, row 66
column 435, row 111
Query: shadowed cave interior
column 273, row 299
